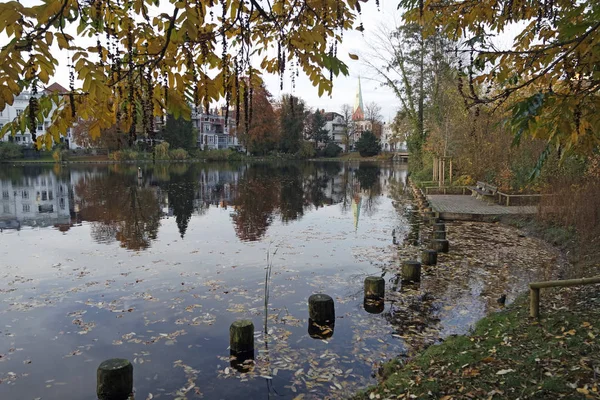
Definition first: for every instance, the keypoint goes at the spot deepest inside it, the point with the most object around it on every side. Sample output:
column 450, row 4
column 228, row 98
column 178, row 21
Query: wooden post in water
column 439, row 226
column 321, row 308
column 321, row 316
column 114, row 379
column 439, row 234
column 374, row 287
column 441, row 245
column 241, row 336
column 411, row 271
column 429, row 257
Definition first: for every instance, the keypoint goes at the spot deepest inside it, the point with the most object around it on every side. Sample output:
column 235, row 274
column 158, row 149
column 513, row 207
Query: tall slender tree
column 291, row 122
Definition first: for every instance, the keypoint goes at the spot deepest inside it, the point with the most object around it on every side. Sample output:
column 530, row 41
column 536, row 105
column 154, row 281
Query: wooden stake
column 534, row 303
column 429, row 257
column 114, row 379
column 374, row 287
column 241, row 336
column 411, row 271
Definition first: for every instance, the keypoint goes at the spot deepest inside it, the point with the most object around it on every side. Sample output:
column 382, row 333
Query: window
column 50, row 195
column 19, row 112
column 43, row 181
column 25, row 194
column 61, row 203
column 6, row 209
column 18, row 138
column 46, row 208
column 26, row 208
column 44, row 195
column 5, row 194
column 40, row 127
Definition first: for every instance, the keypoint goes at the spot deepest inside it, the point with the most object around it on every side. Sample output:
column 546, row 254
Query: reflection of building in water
column 217, row 188
column 37, row 201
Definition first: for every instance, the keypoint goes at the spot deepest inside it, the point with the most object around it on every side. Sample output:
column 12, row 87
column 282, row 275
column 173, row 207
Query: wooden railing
column 534, row 291
column 517, row 196
column 445, row 189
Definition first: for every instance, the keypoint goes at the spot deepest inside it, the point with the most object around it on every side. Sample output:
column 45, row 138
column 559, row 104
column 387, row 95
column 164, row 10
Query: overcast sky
column 344, row 87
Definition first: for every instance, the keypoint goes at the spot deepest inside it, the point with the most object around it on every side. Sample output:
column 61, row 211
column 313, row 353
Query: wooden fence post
column 534, row 302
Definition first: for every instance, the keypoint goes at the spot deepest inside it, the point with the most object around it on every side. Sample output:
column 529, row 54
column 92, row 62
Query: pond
column 98, row 263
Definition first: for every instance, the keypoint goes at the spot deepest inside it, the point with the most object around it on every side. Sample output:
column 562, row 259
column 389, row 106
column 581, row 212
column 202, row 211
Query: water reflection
column 122, row 207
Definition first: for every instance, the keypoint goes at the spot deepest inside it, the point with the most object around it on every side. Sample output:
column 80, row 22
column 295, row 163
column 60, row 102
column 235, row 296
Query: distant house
column 336, row 127
column 213, row 132
column 18, row 107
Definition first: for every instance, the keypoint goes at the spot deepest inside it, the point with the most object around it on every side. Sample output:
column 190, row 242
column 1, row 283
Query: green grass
column 507, row 356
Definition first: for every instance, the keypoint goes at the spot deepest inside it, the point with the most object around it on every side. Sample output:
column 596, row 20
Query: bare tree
column 346, row 113
column 373, row 113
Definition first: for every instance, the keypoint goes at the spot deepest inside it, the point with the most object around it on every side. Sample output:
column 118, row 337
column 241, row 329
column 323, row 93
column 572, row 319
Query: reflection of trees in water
column 257, row 197
column 292, row 194
column 181, row 189
column 257, row 193
column 128, row 212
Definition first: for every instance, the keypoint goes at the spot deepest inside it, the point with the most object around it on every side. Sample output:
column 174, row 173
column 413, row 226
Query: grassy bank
column 509, row 356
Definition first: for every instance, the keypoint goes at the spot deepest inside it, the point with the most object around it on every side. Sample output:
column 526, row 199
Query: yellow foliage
column 191, row 51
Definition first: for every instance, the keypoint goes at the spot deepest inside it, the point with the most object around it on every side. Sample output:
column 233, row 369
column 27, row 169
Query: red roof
column 55, row 87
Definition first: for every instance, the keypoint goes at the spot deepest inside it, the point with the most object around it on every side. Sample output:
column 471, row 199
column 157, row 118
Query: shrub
column 124, row 155
column 178, row 154
column 10, row 151
column 307, row 150
column 161, row 151
column 332, row 150
column 368, row 145
column 60, row 155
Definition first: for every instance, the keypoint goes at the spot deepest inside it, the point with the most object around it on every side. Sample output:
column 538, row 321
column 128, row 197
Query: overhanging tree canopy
column 138, row 59
column 551, row 74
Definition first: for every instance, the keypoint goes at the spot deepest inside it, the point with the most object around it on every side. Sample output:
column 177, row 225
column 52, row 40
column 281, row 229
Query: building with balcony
column 213, row 132
column 19, row 105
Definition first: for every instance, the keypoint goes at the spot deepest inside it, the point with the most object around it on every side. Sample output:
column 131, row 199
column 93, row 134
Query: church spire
column 358, row 114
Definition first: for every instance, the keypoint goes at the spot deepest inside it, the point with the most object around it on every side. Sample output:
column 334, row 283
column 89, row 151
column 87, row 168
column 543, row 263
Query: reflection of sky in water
column 68, row 302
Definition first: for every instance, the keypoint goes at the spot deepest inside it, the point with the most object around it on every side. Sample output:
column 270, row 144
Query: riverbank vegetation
column 507, row 356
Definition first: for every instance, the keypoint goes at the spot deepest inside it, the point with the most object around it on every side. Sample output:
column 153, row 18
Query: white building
column 18, row 107
column 336, row 126
column 213, row 133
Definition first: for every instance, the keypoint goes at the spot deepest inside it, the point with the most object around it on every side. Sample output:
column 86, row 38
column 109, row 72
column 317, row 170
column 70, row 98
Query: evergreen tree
column 368, row 144
column 291, row 119
column 316, row 128
column 179, row 133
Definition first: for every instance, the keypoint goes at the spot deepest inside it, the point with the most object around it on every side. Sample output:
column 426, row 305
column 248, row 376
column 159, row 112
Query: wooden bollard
column 374, row 287
column 534, row 302
column 411, row 271
column 429, row 217
column 241, row 336
column 441, row 245
column 439, row 234
column 439, row 226
column 373, row 306
column 429, row 257
column 321, row 308
column 114, row 379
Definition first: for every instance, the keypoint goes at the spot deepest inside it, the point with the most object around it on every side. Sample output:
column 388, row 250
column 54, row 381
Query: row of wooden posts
column 115, row 376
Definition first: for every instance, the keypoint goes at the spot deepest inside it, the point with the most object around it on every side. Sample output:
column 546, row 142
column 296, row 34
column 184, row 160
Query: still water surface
column 96, row 263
